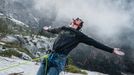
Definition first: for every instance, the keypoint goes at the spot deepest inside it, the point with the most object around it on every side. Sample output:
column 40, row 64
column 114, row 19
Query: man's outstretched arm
column 87, row 40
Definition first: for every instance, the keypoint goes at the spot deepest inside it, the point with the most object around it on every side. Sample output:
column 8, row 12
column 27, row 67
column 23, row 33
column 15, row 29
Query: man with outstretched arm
column 68, row 38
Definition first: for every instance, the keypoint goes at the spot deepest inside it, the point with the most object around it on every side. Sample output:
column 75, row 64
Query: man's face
column 76, row 23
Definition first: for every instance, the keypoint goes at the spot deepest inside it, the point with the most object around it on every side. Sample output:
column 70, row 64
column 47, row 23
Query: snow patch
column 1, row 43
column 19, row 22
column 9, row 38
column 1, row 14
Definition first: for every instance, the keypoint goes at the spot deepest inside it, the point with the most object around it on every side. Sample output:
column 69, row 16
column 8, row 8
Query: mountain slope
column 10, row 25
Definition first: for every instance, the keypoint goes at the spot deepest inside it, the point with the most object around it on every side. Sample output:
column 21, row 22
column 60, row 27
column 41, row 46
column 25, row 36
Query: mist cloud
column 102, row 15
column 110, row 21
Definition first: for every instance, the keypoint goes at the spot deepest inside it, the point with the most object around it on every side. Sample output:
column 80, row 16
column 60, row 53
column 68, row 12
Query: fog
column 109, row 21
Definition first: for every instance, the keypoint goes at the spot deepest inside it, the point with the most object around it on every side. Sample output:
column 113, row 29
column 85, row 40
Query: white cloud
column 107, row 17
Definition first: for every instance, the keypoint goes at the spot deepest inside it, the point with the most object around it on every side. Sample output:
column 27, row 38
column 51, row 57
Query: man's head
column 76, row 24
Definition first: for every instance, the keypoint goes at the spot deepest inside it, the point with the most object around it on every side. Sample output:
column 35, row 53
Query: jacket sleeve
column 89, row 41
column 55, row 30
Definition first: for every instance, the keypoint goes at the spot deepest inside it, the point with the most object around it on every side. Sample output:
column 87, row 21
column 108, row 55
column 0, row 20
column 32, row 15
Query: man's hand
column 46, row 28
column 118, row 51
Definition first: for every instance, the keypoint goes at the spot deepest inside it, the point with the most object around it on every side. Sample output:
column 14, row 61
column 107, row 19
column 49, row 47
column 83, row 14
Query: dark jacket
column 68, row 38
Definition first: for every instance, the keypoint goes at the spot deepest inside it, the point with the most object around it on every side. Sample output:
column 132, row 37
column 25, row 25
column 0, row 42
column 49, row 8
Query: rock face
column 28, row 13
column 12, row 8
column 36, row 46
column 29, row 68
column 16, row 37
column 10, row 25
column 2, row 5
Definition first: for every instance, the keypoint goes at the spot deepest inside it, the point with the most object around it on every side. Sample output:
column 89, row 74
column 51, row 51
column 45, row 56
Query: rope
column 23, row 63
column 46, row 67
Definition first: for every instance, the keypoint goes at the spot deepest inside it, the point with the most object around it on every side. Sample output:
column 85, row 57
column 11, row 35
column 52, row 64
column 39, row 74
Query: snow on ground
column 29, row 68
